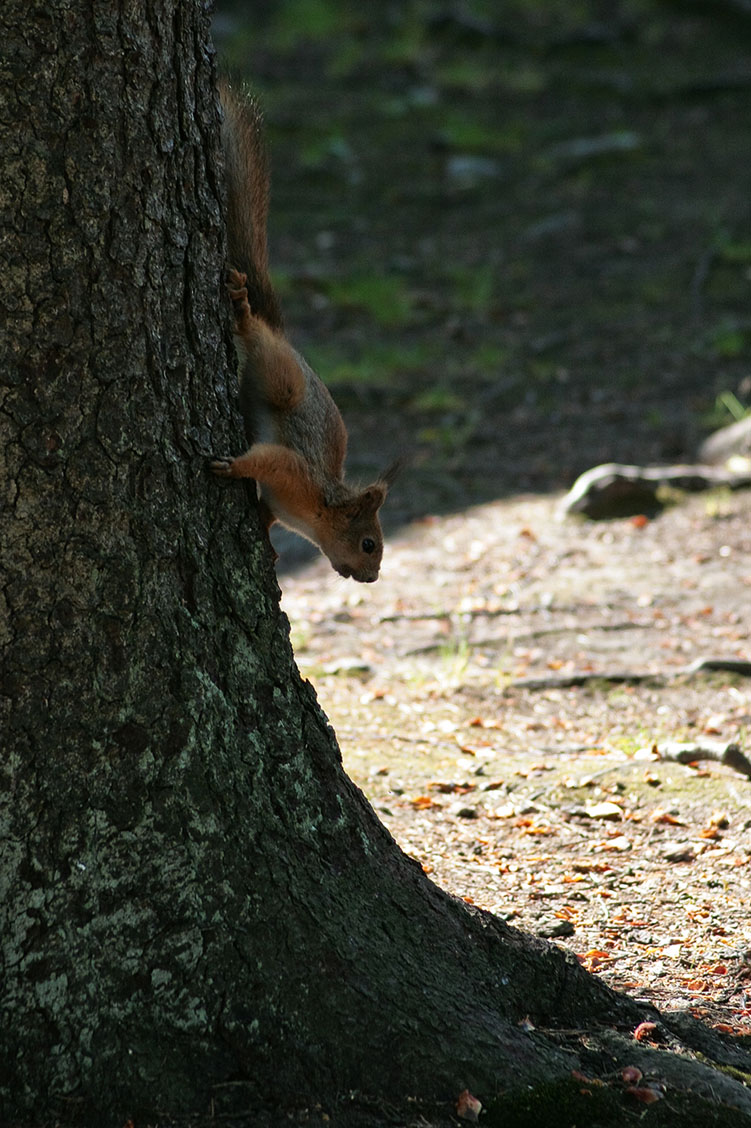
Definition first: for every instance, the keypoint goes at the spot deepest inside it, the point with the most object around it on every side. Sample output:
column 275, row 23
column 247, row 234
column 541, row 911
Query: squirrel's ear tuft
column 392, row 471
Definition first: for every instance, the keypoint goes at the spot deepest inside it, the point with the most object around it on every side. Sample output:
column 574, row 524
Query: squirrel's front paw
column 222, row 467
column 237, row 287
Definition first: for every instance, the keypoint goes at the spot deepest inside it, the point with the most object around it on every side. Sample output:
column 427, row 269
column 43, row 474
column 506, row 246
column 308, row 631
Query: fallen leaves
column 631, row 1077
column 468, row 1107
column 645, row 1094
column 594, row 959
column 644, row 1031
column 667, row 817
column 424, row 803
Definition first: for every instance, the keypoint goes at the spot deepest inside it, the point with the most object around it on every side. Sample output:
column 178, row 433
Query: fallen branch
column 728, row 754
column 633, row 677
column 572, row 681
column 615, row 489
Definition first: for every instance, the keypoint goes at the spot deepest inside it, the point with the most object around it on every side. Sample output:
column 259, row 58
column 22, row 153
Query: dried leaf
column 643, row 1030
column 451, row 788
column 484, row 722
column 661, row 816
column 644, row 1094
column 594, row 959
column 423, row 802
column 631, row 1075
column 710, row 832
column 468, row 1107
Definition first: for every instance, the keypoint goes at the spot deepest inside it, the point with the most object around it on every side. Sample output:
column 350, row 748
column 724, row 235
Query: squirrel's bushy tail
column 247, row 179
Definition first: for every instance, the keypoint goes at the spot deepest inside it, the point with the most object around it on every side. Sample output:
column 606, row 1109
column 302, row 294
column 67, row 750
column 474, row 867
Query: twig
column 634, row 677
column 481, row 613
column 728, row 754
column 699, row 281
column 570, row 681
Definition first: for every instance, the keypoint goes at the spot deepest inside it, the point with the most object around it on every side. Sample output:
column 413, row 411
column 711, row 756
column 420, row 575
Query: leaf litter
column 550, row 804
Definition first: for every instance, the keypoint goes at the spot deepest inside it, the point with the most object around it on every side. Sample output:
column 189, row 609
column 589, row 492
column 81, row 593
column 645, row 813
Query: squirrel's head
column 353, row 540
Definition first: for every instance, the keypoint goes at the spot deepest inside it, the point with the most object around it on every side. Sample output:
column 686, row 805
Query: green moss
column 474, row 288
column 565, row 1103
column 470, row 134
column 385, row 298
column 380, row 364
column 307, row 21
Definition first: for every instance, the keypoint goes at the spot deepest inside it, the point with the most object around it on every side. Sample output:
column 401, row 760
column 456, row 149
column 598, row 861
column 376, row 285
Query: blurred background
column 514, row 239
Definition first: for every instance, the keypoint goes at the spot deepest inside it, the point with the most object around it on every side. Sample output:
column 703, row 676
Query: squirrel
column 298, row 439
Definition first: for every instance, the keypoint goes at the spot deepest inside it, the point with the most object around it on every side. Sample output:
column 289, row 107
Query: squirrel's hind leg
column 238, row 293
column 270, row 362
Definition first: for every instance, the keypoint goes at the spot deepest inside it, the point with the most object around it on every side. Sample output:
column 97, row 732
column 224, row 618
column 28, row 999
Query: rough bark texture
column 191, row 891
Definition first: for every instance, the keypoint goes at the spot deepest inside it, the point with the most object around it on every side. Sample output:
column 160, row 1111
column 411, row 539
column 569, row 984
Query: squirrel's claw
column 222, row 467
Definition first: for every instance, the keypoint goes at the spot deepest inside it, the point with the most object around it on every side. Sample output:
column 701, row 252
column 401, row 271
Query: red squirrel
column 297, row 436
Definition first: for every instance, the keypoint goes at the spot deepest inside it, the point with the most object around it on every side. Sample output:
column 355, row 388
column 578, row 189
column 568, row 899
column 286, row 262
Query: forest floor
column 448, row 685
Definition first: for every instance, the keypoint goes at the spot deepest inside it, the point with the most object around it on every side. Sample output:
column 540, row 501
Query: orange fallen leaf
column 643, row 1094
column 643, row 1030
column 661, row 816
column 631, row 1075
column 592, row 960
column 447, row 788
column 467, row 1106
column 423, row 802
column 640, row 520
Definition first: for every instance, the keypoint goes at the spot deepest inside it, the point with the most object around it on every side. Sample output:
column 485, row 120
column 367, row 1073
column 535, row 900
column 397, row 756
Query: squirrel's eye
column 368, row 545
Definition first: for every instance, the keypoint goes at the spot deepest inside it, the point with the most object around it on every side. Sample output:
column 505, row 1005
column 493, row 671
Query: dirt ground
column 547, row 804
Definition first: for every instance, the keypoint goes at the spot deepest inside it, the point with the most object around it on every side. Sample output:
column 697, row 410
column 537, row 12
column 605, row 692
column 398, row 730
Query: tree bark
column 196, row 904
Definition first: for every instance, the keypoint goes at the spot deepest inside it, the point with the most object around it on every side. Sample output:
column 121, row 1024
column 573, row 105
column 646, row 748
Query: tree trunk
column 196, row 904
